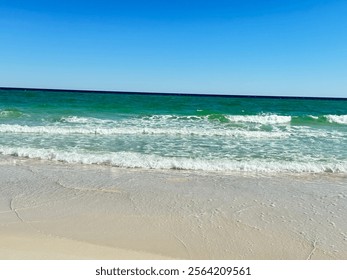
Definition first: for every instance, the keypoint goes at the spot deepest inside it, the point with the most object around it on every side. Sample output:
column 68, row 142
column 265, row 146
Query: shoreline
column 53, row 210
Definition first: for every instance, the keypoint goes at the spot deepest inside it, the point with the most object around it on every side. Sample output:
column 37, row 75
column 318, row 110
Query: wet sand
column 71, row 211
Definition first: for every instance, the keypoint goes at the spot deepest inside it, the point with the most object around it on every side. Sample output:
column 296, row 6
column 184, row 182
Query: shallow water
column 176, row 132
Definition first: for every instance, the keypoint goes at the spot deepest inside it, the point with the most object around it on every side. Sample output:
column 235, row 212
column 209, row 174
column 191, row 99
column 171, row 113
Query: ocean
column 207, row 133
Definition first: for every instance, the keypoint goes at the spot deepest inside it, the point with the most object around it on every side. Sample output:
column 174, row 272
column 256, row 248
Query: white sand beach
column 70, row 211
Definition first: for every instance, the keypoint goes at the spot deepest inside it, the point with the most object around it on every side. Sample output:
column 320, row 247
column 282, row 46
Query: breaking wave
column 340, row 119
column 65, row 130
column 265, row 119
column 137, row 160
column 260, row 119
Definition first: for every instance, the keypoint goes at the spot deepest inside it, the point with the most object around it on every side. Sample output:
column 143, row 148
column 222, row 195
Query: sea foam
column 84, row 120
column 66, row 130
column 340, row 119
column 261, row 119
column 137, row 160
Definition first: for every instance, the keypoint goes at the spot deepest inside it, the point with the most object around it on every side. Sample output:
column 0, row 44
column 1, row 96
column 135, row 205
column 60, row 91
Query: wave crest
column 261, row 119
column 187, row 131
column 136, row 160
column 340, row 119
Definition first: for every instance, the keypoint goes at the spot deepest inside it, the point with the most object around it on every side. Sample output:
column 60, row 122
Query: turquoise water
column 175, row 132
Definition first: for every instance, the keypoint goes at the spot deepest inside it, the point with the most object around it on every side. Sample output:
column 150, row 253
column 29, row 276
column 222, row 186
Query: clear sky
column 272, row 47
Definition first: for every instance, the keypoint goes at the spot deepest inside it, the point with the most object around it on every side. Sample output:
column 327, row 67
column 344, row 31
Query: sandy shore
column 59, row 211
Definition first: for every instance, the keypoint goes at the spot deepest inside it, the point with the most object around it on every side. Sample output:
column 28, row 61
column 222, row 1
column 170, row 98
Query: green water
column 176, row 132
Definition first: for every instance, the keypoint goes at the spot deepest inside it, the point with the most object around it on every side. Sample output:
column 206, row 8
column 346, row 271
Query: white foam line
column 85, row 120
column 137, row 160
column 61, row 130
column 340, row 119
column 261, row 119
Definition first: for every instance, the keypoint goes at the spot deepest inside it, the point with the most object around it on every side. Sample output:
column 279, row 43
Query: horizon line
column 173, row 93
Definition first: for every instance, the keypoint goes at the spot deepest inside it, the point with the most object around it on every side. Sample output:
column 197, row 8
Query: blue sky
column 227, row 47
